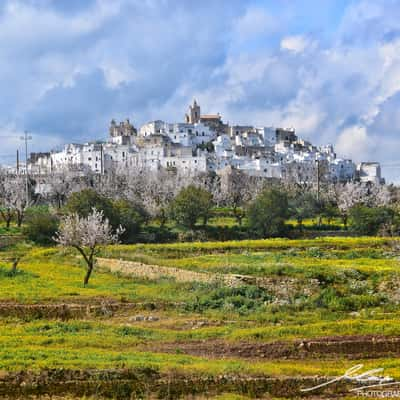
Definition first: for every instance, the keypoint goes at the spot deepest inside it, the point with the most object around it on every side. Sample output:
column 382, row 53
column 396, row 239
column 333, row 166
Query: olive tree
column 191, row 204
column 86, row 234
column 268, row 212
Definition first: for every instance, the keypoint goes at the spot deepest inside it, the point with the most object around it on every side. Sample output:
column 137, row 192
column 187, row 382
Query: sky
column 330, row 69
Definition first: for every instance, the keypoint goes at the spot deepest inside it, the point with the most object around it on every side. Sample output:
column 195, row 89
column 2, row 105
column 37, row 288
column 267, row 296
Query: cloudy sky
column 329, row 68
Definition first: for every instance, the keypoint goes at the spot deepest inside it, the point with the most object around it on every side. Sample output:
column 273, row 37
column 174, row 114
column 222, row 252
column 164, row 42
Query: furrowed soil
column 333, row 347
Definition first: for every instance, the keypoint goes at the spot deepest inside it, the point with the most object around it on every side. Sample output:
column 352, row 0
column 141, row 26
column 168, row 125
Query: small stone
column 355, row 314
column 137, row 318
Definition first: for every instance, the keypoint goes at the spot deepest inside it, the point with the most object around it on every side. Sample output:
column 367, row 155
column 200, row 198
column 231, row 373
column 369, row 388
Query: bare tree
column 236, row 190
column 160, row 190
column 56, row 187
column 19, row 198
column 350, row 194
column 13, row 199
column 86, row 235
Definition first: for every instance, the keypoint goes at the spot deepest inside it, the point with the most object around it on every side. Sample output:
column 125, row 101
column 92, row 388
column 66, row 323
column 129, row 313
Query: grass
column 179, row 249
column 49, row 344
column 352, row 284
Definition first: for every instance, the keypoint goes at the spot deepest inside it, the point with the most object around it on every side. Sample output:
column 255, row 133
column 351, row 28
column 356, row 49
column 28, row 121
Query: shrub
column 152, row 234
column 268, row 212
column 367, row 220
column 40, row 225
column 244, row 299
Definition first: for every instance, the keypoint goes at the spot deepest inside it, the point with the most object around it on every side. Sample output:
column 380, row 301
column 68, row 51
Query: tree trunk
column 20, row 217
column 89, row 261
column 163, row 218
column 300, row 224
column 344, row 219
column 88, row 272
column 14, row 266
column 7, row 216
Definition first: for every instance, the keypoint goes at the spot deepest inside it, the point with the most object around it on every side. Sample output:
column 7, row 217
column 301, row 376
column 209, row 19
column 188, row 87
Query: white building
column 369, row 172
column 204, row 143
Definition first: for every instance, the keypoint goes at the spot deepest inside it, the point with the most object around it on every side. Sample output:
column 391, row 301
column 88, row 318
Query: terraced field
column 251, row 319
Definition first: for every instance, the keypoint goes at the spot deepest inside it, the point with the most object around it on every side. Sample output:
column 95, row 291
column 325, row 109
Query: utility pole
column 318, row 190
column 101, row 159
column 26, row 137
column 17, row 162
column 318, row 184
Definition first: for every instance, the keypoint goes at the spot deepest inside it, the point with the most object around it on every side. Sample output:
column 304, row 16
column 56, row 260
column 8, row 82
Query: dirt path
column 137, row 269
column 281, row 287
column 349, row 347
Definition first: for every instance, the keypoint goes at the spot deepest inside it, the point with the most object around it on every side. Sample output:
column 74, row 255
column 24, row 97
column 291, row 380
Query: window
column 89, row 158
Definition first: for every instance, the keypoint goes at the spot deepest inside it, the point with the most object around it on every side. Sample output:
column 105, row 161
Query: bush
column 244, row 299
column 335, row 300
column 268, row 212
column 152, row 234
column 40, row 225
column 368, row 220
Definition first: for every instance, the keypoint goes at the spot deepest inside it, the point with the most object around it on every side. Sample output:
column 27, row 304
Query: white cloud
column 68, row 73
column 296, row 44
column 256, row 21
column 354, row 143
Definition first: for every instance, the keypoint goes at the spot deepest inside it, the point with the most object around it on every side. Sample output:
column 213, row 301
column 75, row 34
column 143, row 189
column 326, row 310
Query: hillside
column 269, row 317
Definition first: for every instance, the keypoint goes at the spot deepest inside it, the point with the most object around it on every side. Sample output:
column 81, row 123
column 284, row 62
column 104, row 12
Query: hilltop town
column 204, row 143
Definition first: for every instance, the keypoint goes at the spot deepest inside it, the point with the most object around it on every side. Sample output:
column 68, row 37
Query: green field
column 312, row 289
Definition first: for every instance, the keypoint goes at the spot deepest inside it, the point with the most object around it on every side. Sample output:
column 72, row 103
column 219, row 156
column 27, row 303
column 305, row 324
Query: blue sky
column 329, row 68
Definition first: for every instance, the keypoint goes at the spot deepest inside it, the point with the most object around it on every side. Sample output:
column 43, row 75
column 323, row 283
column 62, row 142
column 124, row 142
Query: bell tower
column 193, row 116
